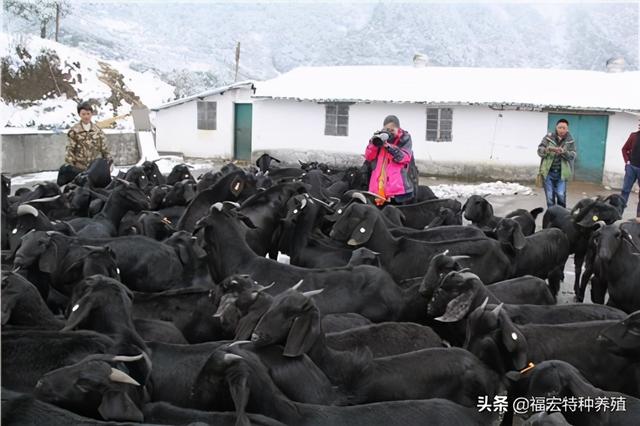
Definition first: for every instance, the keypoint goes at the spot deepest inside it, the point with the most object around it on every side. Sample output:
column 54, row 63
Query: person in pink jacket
column 393, row 171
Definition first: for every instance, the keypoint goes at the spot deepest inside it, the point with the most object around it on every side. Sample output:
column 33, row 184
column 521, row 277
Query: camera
column 380, row 137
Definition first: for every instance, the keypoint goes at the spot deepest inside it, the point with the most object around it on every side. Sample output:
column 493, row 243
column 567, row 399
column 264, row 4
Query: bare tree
column 39, row 12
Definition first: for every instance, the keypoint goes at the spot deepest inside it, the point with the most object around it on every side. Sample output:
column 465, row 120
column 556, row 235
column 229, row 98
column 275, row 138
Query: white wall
column 620, row 125
column 479, row 134
column 177, row 127
column 499, row 141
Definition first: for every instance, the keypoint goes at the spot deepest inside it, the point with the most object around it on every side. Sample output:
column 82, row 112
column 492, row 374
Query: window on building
column 207, row 115
column 439, row 124
column 336, row 122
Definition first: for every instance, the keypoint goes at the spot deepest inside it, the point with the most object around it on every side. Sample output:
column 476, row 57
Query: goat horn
column 238, row 342
column 497, row 309
column 261, row 288
column 372, row 194
column 359, row 196
column 44, row 200
column 446, row 252
column 231, row 357
column 484, row 304
column 460, row 257
column 297, row 285
column 303, row 204
column 127, row 358
column 312, row 293
column 121, row 377
column 25, row 209
column 218, row 206
column 233, row 203
column 126, row 182
column 321, row 202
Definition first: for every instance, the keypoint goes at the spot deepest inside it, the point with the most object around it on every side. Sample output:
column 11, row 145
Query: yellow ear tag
column 527, row 368
column 595, row 218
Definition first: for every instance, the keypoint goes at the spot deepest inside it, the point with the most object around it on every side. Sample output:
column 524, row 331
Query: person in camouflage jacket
column 86, row 141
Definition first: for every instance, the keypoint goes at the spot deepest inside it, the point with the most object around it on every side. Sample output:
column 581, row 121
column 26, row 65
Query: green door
column 242, row 132
column 590, row 134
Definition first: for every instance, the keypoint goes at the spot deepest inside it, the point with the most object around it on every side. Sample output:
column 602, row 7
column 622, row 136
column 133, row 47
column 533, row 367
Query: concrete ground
column 576, row 191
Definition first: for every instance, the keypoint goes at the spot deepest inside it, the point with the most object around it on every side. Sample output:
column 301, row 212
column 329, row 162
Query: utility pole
column 57, row 19
column 237, row 61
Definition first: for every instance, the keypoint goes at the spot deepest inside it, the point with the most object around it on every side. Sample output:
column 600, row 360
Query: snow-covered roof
column 204, row 94
column 531, row 88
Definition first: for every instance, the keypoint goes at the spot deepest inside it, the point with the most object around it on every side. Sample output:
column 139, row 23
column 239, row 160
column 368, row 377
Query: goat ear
column 199, row 251
column 239, row 394
column 247, row 221
column 487, row 209
column 8, row 303
column 403, row 218
column 81, row 312
column 513, row 340
column 458, row 307
column 116, row 405
column 183, row 254
column 517, row 238
column 363, row 232
column 303, row 334
column 247, row 324
column 236, row 186
column 49, row 259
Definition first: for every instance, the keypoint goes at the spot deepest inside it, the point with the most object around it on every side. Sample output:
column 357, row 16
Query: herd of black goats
column 157, row 300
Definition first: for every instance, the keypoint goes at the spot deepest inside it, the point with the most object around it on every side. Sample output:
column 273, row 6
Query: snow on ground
column 85, row 70
column 33, row 178
column 165, row 164
column 487, row 188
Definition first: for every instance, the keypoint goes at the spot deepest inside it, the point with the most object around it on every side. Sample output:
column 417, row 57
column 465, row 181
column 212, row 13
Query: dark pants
column 631, row 176
column 555, row 189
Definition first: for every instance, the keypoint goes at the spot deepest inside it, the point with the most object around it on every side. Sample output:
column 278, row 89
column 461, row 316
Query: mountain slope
column 43, row 81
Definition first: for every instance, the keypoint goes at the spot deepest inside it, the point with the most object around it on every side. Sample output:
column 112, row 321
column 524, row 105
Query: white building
column 481, row 122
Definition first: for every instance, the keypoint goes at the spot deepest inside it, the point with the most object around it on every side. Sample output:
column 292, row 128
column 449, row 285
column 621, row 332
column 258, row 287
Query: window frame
column 440, row 133
column 206, row 119
column 335, row 127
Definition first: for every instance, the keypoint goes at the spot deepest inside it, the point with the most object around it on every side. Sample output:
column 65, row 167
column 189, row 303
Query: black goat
column 618, row 259
column 263, row 396
column 562, row 380
column 423, row 214
column 123, row 198
column 136, row 258
column 480, row 212
column 504, row 346
column 542, row 254
column 93, row 388
column 462, row 292
column 364, row 289
column 178, row 173
column 578, row 224
column 407, row 258
column 294, row 319
column 526, row 289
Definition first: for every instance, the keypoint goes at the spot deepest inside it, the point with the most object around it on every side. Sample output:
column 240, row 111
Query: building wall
column 44, row 150
column 177, row 127
column 486, row 143
column 620, row 125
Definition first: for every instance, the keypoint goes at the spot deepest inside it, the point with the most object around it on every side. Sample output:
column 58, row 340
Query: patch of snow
column 487, row 188
column 446, row 85
column 33, row 178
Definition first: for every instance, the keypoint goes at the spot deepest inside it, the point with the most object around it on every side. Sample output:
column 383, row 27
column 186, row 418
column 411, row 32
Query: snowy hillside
column 44, row 80
column 193, row 44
